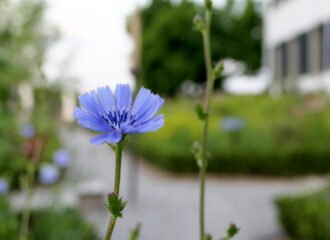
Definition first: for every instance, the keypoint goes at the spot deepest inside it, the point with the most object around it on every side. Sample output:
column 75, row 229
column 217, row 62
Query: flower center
column 116, row 117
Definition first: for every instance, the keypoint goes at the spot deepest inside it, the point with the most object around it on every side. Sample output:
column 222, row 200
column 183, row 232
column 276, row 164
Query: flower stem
column 112, row 222
column 208, row 95
column 24, row 231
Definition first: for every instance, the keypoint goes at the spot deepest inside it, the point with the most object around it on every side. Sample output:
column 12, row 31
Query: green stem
column 24, row 231
column 208, row 95
column 112, row 222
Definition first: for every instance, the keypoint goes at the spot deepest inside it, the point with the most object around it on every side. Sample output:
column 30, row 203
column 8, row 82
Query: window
column 320, row 29
column 326, row 46
column 303, row 54
column 284, row 60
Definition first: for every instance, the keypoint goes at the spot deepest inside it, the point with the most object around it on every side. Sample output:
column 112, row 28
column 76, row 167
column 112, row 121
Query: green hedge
column 281, row 136
column 47, row 224
column 306, row 217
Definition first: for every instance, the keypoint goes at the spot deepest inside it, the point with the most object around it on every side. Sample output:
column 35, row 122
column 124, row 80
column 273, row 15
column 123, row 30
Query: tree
column 24, row 38
column 172, row 51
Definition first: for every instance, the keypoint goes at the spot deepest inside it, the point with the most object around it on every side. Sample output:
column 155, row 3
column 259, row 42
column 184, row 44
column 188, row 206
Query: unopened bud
column 208, row 4
column 199, row 23
column 217, row 71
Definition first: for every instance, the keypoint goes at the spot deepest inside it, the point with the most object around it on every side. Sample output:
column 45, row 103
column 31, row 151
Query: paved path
column 167, row 205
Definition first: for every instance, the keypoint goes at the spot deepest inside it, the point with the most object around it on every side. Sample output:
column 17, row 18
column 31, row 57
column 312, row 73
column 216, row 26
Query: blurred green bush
column 65, row 225
column 280, row 136
column 13, row 163
column 47, row 224
column 9, row 224
column 306, row 217
column 25, row 37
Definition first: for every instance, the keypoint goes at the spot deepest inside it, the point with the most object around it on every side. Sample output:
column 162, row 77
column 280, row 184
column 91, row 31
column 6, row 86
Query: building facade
column 297, row 44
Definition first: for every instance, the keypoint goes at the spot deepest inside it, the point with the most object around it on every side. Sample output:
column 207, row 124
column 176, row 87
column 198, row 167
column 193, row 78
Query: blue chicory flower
column 28, row 131
column 113, row 115
column 62, row 158
column 48, row 174
column 4, row 186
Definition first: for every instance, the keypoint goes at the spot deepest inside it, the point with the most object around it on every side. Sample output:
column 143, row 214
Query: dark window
column 326, row 46
column 303, row 53
column 284, row 60
column 321, row 47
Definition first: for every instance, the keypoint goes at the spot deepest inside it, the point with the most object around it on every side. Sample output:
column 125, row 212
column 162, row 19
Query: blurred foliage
column 47, row 105
column 306, row 217
column 9, row 223
column 281, row 136
column 24, row 39
column 47, row 224
column 13, row 163
column 172, row 49
column 65, row 225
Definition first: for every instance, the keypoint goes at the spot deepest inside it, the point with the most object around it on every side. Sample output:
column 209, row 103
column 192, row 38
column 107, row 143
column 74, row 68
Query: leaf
column 208, row 236
column 197, row 151
column 112, row 146
column 135, row 233
column 232, row 230
column 217, row 70
column 200, row 112
column 125, row 140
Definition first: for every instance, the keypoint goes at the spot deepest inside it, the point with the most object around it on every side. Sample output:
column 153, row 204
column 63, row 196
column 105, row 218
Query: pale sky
column 94, row 42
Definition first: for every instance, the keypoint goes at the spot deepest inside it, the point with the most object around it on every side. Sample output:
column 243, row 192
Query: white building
column 297, row 44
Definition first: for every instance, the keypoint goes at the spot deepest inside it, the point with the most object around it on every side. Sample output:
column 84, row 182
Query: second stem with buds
column 208, row 95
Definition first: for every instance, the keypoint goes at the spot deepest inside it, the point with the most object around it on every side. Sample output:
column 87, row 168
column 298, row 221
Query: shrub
column 9, row 224
column 12, row 161
column 306, row 217
column 64, row 225
column 280, row 136
column 47, row 224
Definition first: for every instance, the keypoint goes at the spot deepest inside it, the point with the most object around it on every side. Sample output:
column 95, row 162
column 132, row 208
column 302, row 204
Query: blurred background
column 269, row 129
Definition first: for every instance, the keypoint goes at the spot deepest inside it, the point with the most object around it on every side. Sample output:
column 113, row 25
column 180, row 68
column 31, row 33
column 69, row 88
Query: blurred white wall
column 289, row 18
column 284, row 22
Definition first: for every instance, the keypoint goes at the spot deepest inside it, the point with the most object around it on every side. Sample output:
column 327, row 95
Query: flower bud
column 116, row 205
column 232, row 230
column 199, row 23
column 217, row 71
column 208, row 4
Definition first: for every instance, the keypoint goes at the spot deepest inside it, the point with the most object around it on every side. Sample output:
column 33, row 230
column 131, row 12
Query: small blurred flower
column 232, row 124
column 62, row 158
column 113, row 115
column 4, row 186
column 28, row 131
column 48, row 174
